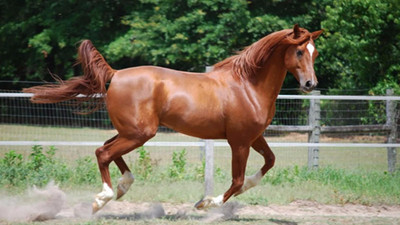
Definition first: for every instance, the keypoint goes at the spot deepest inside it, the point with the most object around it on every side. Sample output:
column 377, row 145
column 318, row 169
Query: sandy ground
column 297, row 212
column 52, row 206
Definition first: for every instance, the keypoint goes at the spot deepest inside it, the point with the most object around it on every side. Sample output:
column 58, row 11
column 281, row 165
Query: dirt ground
column 297, row 212
column 53, row 206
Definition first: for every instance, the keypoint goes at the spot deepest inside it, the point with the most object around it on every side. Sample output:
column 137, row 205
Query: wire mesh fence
column 22, row 121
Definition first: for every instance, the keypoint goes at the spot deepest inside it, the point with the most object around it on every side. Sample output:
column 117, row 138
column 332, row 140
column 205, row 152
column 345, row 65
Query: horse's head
column 300, row 57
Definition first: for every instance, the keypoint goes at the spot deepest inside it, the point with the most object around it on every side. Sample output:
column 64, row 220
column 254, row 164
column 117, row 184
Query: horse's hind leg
column 105, row 155
column 127, row 179
column 261, row 146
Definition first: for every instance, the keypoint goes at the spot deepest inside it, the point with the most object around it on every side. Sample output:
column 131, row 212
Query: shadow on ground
column 227, row 212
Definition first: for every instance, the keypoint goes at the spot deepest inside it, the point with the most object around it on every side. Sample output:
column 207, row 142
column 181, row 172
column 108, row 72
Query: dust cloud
column 227, row 211
column 34, row 205
column 51, row 203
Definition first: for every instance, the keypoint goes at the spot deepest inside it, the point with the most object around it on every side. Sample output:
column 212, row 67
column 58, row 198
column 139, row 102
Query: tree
column 191, row 34
column 361, row 47
column 40, row 36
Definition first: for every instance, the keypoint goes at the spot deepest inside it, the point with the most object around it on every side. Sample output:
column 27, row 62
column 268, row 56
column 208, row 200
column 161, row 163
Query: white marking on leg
column 104, row 196
column 124, row 183
column 250, row 182
column 218, row 201
column 310, row 48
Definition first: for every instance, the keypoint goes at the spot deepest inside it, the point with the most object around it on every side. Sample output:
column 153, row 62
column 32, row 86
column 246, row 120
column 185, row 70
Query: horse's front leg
column 261, row 146
column 240, row 155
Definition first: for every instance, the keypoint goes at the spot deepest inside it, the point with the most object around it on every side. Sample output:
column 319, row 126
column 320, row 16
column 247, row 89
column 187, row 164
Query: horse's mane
column 246, row 63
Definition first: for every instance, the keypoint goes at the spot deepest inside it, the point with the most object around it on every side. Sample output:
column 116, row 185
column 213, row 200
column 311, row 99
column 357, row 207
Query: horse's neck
column 271, row 77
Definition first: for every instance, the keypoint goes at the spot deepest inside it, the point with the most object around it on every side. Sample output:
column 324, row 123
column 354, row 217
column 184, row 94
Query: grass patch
column 181, row 181
column 331, row 185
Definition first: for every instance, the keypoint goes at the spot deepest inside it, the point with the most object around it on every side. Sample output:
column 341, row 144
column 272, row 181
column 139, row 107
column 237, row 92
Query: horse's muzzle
column 308, row 86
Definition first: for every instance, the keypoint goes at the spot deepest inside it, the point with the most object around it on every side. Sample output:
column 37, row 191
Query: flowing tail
column 90, row 86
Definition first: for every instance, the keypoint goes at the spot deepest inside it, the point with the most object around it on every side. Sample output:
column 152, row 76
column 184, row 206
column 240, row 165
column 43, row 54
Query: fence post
column 314, row 118
column 391, row 122
column 209, row 168
column 209, row 161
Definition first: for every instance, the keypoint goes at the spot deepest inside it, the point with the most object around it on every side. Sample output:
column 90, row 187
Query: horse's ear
column 296, row 31
column 316, row 34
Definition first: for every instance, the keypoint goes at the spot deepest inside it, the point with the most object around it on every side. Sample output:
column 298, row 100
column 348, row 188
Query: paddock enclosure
column 315, row 130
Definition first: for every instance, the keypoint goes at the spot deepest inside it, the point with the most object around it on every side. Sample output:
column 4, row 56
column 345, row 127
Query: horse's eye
column 299, row 53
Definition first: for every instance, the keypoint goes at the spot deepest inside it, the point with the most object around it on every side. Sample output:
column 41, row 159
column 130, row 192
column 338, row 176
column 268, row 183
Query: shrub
column 12, row 171
column 177, row 169
column 143, row 167
column 85, row 172
column 38, row 170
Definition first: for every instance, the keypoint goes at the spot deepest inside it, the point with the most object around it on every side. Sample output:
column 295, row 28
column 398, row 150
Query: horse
column 235, row 101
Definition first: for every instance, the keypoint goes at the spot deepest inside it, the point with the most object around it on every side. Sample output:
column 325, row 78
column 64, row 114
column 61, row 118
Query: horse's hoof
column 209, row 202
column 120, row 193
column 200, row 205
column 124, row 183
column 95, row 208
column 102, row 198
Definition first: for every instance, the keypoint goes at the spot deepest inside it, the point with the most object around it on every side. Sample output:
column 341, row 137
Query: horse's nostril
column 308, row 84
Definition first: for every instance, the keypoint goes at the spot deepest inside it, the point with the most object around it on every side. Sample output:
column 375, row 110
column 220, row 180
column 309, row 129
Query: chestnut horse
column 235, row 101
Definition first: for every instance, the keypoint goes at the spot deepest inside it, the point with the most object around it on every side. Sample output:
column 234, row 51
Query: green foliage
column 41, row 166
column 188, row 35
column 11, row 168
column 177, row 169
column 37, row 36
column 198, row 173
column 361, row 44
column 85, row 172
column 359, row 48
column 44, row 168
column 143, row 167
column 38, row 170
column 38, row 159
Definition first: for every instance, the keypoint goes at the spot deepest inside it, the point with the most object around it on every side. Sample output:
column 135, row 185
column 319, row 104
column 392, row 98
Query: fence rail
column 300, row 97
column 202, row 144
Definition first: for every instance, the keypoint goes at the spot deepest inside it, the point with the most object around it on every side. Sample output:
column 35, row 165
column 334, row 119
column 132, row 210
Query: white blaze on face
column 310, row 49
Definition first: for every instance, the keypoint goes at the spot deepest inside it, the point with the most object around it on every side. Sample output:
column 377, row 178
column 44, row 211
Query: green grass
column 281, row 185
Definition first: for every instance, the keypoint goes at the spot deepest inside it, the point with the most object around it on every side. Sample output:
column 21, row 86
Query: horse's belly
column 206, row 129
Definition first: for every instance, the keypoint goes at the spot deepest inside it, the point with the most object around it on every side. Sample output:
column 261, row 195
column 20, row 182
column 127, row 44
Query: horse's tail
column 90, row 86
